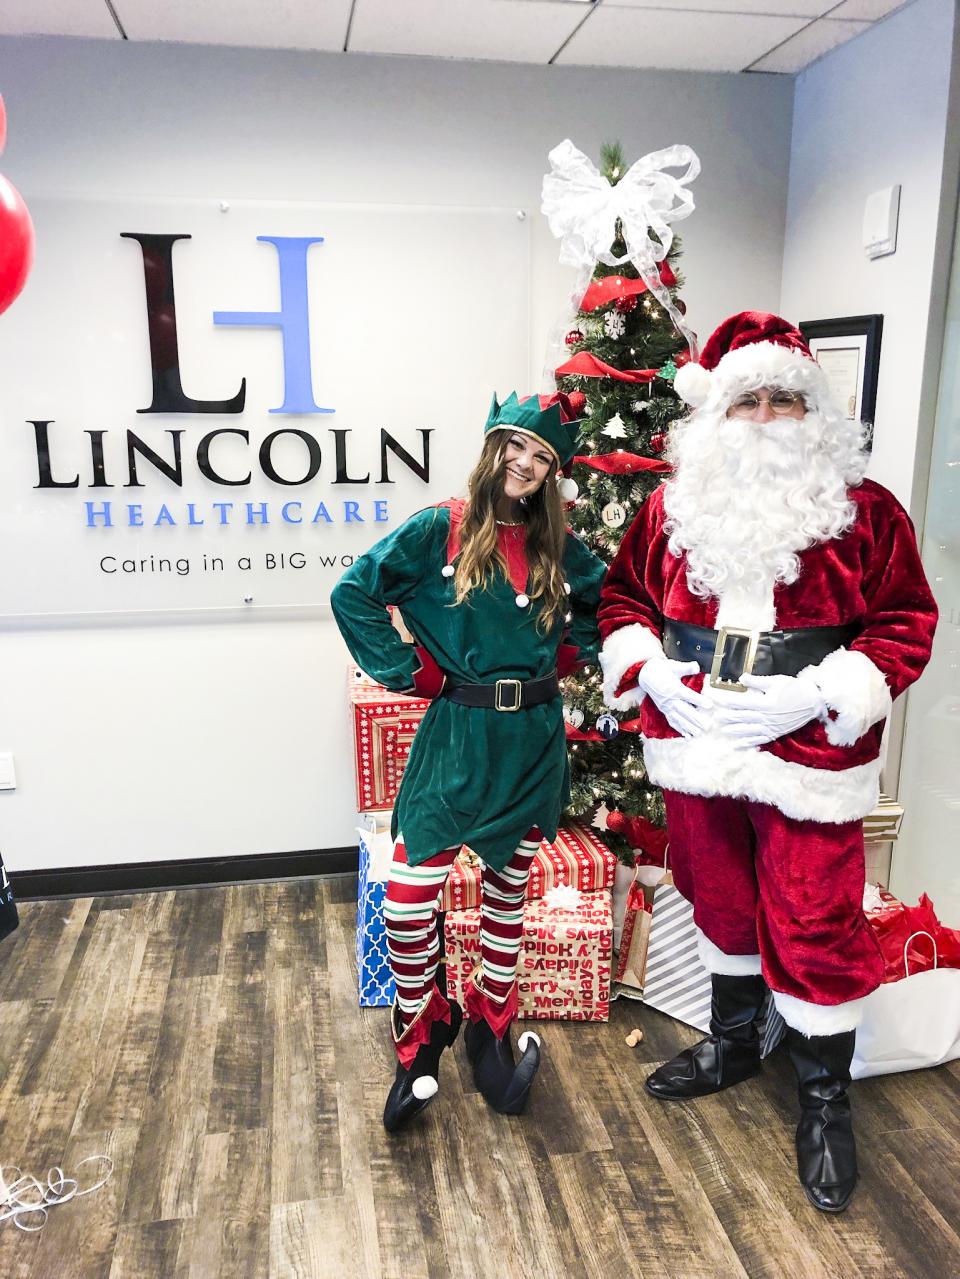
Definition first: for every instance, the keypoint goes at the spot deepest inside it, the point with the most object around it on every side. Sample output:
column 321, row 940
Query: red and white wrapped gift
column 576, row 859
column 384, row 725
column 563, row 973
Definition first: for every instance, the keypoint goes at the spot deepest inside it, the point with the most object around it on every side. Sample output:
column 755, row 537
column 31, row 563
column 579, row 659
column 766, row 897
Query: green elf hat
column 554, row 420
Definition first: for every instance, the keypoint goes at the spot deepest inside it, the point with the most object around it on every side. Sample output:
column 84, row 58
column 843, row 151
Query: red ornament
column 658, row 443
column 627, row 304
column 16, row 234
column 573, row 337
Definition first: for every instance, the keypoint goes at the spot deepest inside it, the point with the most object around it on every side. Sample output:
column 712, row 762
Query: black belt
column 505, row 694
column 732, row 651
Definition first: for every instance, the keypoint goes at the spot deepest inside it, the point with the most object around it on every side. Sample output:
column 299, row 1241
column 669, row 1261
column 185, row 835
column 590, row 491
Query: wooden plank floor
column 209, row 1041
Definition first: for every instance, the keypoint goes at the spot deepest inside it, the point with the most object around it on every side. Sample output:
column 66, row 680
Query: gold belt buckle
column 753, row 642
column 498, row 694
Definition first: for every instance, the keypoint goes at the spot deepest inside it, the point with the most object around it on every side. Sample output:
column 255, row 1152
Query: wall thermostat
column 880, row 217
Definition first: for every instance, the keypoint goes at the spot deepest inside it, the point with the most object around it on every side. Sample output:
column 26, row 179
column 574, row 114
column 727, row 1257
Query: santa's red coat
column 826, row 771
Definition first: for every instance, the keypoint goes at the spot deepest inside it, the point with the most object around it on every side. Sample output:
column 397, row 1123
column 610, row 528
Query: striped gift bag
column 675, row 981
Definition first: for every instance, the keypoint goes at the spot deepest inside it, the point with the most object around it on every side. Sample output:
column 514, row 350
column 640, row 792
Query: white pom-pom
column 526, row 1039
column 424, row 1087
column 568, row 617
column 447, row 570
column 692, row 384
column 566, row 588
column 568, row 489
column 523, row 601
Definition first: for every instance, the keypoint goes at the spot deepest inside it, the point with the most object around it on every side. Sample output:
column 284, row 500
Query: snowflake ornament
column 615, row 428
column 614, row 325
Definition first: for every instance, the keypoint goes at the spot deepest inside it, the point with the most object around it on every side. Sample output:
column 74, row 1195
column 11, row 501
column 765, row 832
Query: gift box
column 384, row 724
column 374, row 978
column 563, row 973
column 576, row 858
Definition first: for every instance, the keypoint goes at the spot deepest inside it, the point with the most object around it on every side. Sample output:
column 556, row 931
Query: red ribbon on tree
column 577, row 735
column 586, row 365
column 611, row 287
column 620, row 462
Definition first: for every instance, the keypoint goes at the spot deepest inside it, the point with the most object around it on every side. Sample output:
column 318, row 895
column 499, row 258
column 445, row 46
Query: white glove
column 659, row 678
column 775, row 706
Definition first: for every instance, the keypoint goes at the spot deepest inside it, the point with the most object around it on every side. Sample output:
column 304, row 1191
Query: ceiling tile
column 618, row 37
column 57, row 18
column 868, row 10
column 776, row 8
column 278, row 24
column 494, row 29
column 811, row 43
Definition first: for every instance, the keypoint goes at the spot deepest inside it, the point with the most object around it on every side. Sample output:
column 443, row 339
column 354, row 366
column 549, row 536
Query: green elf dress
column 475, row 775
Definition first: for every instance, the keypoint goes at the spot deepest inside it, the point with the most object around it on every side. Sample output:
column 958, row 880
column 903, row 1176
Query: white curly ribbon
column 27, row 1201
column 582, row 208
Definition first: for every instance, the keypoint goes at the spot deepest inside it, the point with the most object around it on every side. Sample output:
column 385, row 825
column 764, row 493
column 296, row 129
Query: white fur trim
column 621, row 650
column 424, row 1087
column 819, row 1019
column 716, row 960
column 692, row 384
column 710, row 765
column 767, row 364
column 747, row 608
column 855, row 689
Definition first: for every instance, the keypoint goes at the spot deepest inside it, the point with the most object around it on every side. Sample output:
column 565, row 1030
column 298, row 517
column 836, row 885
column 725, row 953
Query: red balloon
column 16, row 243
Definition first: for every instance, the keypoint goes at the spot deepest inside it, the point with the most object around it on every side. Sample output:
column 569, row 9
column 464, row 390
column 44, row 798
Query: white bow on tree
column 583, row 207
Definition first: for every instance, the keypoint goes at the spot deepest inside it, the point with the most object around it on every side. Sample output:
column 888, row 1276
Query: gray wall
column 207, row 762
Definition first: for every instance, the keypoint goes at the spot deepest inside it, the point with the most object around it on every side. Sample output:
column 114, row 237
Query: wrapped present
column 563, row 972
column 374, row 978
column 913, row 1019
column 384, row 724
column 882, row 825
column 576, row 858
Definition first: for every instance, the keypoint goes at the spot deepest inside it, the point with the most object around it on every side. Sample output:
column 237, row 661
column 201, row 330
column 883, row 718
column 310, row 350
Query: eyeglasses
column 780, row 402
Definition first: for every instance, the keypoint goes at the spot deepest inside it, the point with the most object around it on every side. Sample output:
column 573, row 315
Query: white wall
column 188, row 739
column 871, row 114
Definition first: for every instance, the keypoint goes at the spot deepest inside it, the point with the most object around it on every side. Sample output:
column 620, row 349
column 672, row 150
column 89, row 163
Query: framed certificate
column 848, row 351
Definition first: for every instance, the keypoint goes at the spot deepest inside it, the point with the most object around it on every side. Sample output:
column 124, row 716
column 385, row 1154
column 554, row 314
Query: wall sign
column 205, row 402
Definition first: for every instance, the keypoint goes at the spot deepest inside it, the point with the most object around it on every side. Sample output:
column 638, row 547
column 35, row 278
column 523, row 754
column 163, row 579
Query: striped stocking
column 410, row 915
column 501, row 918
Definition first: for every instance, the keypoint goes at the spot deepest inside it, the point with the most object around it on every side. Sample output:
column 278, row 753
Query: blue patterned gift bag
column 374, row 977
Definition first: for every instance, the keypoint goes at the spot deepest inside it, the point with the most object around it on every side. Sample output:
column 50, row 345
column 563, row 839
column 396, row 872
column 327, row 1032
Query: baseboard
column 145, row 877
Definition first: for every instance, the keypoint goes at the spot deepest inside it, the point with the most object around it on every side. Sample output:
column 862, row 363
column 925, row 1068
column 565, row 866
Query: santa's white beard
column 746, row 497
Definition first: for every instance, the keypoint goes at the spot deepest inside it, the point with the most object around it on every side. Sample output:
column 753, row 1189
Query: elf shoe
column 826, row 1150
column 419, row 1048
column 503, row 1081
column 729, row 1054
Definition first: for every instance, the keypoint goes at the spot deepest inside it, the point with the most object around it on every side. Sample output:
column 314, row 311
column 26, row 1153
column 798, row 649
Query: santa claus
column 763, row 610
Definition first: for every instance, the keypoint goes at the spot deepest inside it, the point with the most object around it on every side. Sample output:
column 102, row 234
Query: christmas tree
column 623, row 354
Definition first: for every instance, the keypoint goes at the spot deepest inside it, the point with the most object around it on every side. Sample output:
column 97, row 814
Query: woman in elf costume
column 499, row 594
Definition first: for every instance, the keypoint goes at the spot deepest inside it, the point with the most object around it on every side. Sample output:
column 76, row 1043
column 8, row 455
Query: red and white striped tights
column 410, row 912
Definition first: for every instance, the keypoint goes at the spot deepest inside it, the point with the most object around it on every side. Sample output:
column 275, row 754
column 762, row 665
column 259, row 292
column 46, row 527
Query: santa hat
column 750, row 350
column 554, row 420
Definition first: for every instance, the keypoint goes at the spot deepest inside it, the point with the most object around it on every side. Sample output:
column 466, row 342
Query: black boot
column 826, row 1151
column 503, row 1081
column 730, row 1054
column 415, row 1087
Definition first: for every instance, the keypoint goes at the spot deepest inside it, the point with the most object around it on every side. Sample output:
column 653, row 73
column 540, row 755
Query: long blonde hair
column 480, row 556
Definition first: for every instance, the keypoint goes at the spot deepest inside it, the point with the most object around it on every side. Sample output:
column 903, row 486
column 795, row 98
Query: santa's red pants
column 789, row 891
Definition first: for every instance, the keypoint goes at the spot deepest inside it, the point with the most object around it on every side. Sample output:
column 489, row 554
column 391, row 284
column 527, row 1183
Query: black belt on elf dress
column 731, row 652
column 505, row 694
